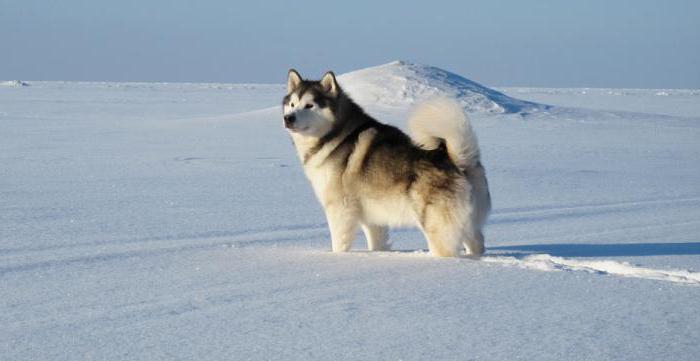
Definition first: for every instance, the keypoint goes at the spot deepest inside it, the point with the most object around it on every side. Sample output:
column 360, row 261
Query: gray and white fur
column 372, row 175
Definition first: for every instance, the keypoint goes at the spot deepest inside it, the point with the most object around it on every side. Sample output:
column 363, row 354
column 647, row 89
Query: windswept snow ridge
column 400, row 83
column 545, row 262
column 13, row 83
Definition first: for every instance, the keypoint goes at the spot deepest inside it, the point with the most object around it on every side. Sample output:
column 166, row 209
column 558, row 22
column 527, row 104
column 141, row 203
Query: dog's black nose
column 289, row 119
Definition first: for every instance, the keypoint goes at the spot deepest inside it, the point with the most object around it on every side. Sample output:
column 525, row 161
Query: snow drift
column 400, row 83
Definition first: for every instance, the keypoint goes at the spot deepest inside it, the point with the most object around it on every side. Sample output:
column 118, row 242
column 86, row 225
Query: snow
column 545, row 262
column 401, row 83
column 13, row 83
column 172, row 221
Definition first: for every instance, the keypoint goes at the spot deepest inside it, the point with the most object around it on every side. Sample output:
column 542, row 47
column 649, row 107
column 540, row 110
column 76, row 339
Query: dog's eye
column 309, row 106
column 291, row 105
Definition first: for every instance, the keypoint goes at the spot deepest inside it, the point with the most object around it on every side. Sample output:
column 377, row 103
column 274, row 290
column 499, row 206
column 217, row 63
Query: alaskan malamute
column 373, row 175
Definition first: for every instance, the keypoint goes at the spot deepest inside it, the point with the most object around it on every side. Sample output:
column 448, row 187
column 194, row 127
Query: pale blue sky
column 593, row 43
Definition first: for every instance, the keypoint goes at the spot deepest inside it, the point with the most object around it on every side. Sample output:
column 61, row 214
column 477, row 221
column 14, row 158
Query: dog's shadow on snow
column 605, row 250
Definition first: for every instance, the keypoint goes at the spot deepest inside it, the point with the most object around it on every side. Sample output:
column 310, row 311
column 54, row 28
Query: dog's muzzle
column 289, row 120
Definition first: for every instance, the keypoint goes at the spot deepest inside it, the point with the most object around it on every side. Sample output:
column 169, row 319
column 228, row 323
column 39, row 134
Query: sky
column 542, row 43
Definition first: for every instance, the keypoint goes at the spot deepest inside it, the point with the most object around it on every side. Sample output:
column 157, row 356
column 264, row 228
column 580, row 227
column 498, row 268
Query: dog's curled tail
column 441, row 120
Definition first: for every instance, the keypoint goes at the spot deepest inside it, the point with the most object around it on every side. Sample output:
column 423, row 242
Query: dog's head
column 308, row 105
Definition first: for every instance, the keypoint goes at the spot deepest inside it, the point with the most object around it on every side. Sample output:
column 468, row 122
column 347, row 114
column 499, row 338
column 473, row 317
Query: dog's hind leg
column 442, row 243
column 377, row 237
column 472, row 236
column 474, row 242
column 442, row 234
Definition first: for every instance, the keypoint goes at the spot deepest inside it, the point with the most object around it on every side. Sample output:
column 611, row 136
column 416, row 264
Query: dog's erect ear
column 293, row 80
column 329, row 84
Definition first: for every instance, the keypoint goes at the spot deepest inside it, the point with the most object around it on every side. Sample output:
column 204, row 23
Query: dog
column 373, row 175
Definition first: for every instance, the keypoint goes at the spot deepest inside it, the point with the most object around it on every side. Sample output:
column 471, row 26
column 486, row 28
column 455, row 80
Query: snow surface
column 172, row 221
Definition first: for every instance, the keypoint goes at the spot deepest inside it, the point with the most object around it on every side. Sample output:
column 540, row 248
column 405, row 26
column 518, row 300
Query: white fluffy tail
column 443, row 120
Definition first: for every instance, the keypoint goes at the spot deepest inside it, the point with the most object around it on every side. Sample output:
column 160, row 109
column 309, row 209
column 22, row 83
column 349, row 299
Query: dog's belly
column 389, row 211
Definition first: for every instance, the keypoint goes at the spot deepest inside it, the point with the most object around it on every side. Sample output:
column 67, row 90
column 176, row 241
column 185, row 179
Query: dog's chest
column 321, row 180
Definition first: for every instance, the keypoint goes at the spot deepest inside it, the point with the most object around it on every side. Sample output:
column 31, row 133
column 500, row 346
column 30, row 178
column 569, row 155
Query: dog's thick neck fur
column 349, row 119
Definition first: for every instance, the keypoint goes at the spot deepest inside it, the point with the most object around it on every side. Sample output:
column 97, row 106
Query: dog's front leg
column 342, row 221
column 377, row 237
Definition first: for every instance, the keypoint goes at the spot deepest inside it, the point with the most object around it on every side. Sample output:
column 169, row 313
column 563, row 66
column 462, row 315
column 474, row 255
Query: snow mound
column 13, row 83
column 401, row 83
